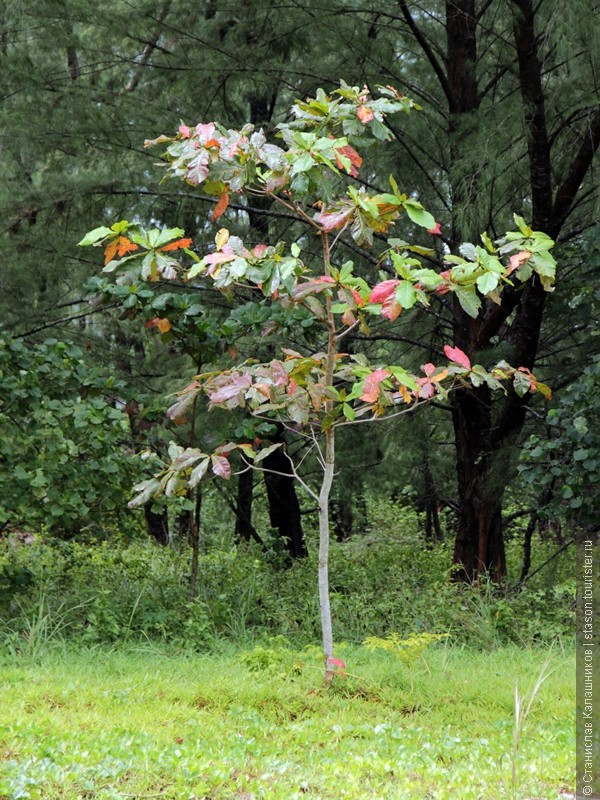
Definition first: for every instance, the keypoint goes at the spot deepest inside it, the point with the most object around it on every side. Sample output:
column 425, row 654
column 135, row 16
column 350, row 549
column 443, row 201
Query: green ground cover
column 260, row 724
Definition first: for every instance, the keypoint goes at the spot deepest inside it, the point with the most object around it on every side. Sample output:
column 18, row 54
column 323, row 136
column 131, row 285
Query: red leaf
column 436, row 230
column 357, row 298
column 221, row 207
column 354, row 158
column 383, row 291
column 365, row 114
column 456, row 354
column 371, row 389
column 178, row 244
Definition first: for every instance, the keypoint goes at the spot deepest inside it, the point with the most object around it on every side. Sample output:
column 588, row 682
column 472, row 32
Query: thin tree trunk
column 323, row 570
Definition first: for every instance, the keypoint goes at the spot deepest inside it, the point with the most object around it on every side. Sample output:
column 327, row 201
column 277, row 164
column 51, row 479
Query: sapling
column 312, row 175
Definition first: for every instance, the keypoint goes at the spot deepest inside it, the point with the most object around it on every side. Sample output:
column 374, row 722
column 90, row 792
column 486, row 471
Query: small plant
column 408, row 650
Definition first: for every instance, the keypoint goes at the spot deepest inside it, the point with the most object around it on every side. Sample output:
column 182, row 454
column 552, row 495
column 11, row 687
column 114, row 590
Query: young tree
column 314, row 394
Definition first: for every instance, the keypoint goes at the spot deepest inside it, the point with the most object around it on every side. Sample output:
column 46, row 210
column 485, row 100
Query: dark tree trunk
column 485, row 438
column 479, row 545
column 194, row 539
column 157, row 525
column 531, row 525
column 342, row 517
column 433, row 528
column 244, row 529
column 284, row 508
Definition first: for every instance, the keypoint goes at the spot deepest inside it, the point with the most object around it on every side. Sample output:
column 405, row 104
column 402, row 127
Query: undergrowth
column 53, row 591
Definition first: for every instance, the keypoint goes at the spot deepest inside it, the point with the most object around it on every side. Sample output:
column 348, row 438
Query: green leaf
column 349, row 412
column 406, row 294
column 487, row 282
column 522, row 225
column 95, row 236
column 468, row 299
column 418, row 215
column 199, row 472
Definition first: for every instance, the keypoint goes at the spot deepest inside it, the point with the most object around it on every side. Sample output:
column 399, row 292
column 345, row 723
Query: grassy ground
column 262, row 725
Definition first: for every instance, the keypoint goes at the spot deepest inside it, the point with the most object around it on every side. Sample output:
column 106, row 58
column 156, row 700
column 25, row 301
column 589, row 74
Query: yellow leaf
column 221, row 238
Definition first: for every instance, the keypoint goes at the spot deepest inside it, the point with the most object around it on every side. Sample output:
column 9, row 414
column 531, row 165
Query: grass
column 116, row 725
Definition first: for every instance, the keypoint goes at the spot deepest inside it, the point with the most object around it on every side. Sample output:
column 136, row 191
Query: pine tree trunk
column 284, row 507
column 244, row 529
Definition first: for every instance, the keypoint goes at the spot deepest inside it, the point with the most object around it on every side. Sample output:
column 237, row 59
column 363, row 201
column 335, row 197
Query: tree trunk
column 194, row 537
column 430, row 498
column 157, row 525
column 284, row 508
column 342, row 517
column 479, row 545
column 244, row 529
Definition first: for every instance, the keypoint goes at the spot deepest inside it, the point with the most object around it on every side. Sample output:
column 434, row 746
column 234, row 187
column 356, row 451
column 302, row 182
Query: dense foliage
column 65, row 444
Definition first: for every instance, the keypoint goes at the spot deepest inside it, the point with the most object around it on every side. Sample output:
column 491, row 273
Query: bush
column 381, row 582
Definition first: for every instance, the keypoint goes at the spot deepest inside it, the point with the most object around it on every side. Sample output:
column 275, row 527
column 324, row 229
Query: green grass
column 262, row 725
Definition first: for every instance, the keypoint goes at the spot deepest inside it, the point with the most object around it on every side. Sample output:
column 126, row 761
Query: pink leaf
column 259, row 250
column 516, row 260
column 428, row 369
column 221, row 467
column 230, row 390
column 436, row 230
column 330, row 220
column 371, row 388
column 219, row 258
column 383, row 291
column 205, row 131
column 278, row 374
column 185, row 131
column 456, row 354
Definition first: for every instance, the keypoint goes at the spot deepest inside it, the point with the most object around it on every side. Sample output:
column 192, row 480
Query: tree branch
column 567, row 191
column 426, row 48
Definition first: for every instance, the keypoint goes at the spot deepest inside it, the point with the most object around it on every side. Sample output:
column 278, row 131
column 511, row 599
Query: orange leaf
column 176, row 245
column 213, row 143
column 124, row 246
column 162, row 324
column 365, row 114
column 110, row 251
column 221, row 207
